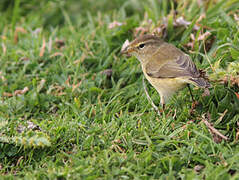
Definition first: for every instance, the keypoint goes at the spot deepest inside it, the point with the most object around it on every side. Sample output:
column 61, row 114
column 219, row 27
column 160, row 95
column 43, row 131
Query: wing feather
column 170, row 62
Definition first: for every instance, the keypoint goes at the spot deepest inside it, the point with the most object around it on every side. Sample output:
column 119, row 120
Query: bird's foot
column 194, row 105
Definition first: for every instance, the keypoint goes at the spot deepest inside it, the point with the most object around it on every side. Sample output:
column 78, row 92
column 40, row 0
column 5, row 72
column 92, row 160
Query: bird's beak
column 127, row 50
column 124, row 50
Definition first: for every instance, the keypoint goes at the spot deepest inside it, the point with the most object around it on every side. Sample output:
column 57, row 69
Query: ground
column 73, row 108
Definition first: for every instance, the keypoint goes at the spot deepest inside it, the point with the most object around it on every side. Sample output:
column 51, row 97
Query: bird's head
column 143, row 47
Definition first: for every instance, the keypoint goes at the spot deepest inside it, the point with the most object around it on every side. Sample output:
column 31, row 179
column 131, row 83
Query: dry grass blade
column 41, row 85
column 4, row 49
column 56, row 54
column 237, row 95
column 20, row 92
column 43, row 48
column 50, row 44
column 115, row 24
column 213, row 130
column 18, row 29
column 17, row 92
column 222, row 116
column 2, row 77
column 204, row 36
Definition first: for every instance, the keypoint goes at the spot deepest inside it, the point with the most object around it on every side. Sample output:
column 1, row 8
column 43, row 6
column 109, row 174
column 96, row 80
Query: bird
column 166, row 67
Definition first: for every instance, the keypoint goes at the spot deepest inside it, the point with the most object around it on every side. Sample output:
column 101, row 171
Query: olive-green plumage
column 166, row 67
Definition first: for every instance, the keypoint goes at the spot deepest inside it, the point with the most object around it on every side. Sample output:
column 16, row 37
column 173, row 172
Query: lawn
column 72, row 107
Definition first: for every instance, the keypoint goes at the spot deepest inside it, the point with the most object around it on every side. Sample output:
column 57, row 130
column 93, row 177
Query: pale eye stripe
column 147, row 42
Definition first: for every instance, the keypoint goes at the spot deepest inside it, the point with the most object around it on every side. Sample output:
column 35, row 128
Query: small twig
column 212, row 129
column 149, row 98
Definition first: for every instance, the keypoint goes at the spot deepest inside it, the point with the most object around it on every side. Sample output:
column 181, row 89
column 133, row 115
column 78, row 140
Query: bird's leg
column 195, row 103
column 149, row 98
column 190, row 92
column 162, row 103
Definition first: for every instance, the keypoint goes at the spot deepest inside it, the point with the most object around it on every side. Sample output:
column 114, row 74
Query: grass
column 84, row 113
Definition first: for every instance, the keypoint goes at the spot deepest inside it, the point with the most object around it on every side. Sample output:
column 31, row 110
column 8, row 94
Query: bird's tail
column 200, row 82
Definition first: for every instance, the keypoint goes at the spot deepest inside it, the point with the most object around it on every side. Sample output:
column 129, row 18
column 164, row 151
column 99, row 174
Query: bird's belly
column 166, row 87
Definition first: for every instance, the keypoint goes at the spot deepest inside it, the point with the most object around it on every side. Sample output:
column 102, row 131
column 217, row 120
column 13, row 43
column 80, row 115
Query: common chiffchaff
column 166, row 67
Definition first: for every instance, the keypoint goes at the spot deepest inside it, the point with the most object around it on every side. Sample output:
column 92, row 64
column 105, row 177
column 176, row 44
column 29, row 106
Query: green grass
column 75, row 122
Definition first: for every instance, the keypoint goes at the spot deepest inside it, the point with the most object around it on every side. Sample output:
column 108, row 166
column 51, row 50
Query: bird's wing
column 170, row 62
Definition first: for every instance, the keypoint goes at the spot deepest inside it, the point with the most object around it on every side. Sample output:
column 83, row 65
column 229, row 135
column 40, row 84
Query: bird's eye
column 141, row 46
